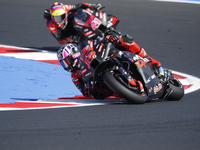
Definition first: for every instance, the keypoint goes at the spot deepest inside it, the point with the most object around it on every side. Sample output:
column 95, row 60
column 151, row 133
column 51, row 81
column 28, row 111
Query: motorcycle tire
column 123, row 91
column 177, row 90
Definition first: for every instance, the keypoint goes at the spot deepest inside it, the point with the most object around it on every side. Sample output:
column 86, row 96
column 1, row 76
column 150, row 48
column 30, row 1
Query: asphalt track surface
column 168, row 31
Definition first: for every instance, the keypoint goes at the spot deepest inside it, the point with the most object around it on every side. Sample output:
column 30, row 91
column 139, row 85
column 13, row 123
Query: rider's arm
column 52, row 26
column 78, row 82
column 56, row 32
column 47, row 16
column 60, row 35
column 85, row 6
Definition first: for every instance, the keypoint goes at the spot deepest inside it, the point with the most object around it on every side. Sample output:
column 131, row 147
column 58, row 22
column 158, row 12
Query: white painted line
column 17, row 47
column 191, row 80
column 32, row 55
column 184, row 81
column 40, row 55
column 180, row 1
column 72, row 103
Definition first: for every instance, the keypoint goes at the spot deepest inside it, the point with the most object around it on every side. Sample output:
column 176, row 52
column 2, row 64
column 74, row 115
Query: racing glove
column 112, row 38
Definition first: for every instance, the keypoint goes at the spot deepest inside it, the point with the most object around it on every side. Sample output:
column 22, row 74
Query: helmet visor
column 59, row 19
column 65, row 63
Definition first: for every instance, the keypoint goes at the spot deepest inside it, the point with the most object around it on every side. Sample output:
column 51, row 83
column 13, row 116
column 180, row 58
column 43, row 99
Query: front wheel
column 122, row 91
column 177, row 90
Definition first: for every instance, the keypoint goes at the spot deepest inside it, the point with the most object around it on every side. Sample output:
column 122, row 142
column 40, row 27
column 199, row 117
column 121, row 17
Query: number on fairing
column 95, row 23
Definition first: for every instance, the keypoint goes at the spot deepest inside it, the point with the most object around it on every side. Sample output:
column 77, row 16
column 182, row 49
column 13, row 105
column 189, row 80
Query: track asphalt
column 168, row 31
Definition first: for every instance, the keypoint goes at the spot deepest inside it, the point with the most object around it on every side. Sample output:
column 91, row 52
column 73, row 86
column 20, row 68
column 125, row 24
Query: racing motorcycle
column 94, row 23
column 114, row 71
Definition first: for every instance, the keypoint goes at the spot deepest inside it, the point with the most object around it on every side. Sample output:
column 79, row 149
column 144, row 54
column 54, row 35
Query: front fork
column 165, row 80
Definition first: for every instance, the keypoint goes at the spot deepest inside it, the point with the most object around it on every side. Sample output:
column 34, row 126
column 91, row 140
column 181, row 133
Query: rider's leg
column 127, row 42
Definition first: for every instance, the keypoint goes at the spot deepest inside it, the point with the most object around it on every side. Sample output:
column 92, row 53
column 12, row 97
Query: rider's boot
column 157, row 66
column 142, row 53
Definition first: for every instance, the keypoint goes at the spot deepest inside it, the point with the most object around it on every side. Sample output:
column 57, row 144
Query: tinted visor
column 59, row 19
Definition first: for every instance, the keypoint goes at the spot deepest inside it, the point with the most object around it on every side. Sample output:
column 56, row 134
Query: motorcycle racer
column 59, row 21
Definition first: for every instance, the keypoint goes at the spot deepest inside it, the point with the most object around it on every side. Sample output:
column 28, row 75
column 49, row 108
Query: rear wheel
column 122, row 91
column 177, row 90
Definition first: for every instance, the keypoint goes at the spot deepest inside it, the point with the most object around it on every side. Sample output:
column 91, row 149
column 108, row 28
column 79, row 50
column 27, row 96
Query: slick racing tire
column 177, row 90
column 123, row 91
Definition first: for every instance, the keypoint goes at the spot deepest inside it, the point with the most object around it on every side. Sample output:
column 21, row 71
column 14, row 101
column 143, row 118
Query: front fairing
column 93, row 23
column 87, row 24
column 152, row 83
column 154, row 87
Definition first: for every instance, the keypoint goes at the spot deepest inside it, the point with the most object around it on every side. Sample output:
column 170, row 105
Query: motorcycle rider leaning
column 59, row 21
column 71, row 60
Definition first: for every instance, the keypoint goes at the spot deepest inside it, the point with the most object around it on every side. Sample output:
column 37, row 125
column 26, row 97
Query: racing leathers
column 67, row 33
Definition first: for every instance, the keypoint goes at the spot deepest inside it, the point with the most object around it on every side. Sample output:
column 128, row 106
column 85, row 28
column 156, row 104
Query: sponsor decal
column 103, row 53
column 141, row 63
column 88, row 33
column 86, row 30
column 100, row 14
column 150, row 78
column 150, row 90
column 89, row 73
column 157, row 88
column 80, row 27
column 137, row 57
column 88, row 11
column 52, row 28
column 100, row 48
column 81, row 24
column 91, row 35
column 84, row 71
column 96, row 14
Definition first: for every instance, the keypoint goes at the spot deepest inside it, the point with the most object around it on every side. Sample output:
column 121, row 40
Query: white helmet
column 68, row 57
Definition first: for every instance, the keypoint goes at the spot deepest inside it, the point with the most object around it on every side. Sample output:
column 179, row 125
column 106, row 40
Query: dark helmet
column 68, row 57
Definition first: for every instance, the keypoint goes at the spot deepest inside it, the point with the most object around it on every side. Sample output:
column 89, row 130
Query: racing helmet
column 68, row 57
column 58, row 13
